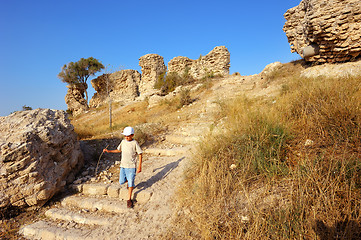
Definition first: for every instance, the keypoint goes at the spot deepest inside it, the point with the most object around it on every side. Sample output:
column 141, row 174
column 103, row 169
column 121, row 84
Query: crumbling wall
column 216, row 62
column 152, row 67
column 325, row 31
column 75, row 100
column 122, row 86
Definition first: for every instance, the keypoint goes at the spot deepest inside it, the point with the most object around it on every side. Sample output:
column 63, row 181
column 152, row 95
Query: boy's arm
column 111, row 151
column 140, row 163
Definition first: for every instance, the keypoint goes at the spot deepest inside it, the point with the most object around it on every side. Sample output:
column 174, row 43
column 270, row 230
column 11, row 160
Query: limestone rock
column 216, row 62
column 122, row 86
column 152, row 67
column 39, row 154
column 328, row 70
column 270, row 68
column 75, row 100
column 325, row 31
column 180, row 65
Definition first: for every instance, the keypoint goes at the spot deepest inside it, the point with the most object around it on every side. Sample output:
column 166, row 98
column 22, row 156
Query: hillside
column 223, row 201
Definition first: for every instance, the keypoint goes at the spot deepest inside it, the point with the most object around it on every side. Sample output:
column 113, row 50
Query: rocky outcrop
column 216, row 62
column 75, row 100
column 344, row 70
column 39, row 155
column 152, row 68
column 122, row 86
column 325, row 31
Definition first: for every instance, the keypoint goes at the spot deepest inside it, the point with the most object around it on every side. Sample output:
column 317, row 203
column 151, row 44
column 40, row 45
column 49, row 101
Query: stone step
column 82, row 217
column 113, row 191
column 96, row 204
column 183, row 139
column 194, row 128
column 167, row 151
column 48, row 231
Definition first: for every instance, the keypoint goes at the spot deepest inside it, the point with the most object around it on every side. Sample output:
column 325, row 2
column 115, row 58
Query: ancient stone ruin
column 128, row 85
column 325, row 31
column 152, row 67
column 39, row 155
column 75, row 100
column 216, row 62
column 122, row 86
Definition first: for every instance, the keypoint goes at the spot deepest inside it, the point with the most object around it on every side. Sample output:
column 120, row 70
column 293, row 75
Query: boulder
column 122, row 86
column 325, row 31
column 39, row 155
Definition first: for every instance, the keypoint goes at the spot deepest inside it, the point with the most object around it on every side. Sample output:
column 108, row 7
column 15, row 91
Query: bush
column 184, row 98
column 168, row 82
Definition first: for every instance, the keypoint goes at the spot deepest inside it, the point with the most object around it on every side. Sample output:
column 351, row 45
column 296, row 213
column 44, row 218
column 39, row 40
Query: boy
column 129, row 149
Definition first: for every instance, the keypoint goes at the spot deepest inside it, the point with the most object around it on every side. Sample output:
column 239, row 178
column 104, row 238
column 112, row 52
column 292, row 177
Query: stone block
column 76, row 187
column 141, row 196
column 113, row 190
column 95, row 189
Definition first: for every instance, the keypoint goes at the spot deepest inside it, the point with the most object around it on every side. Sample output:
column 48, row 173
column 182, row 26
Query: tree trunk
column 86, row 97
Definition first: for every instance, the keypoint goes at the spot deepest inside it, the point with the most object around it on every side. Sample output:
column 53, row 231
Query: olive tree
column 77, row 73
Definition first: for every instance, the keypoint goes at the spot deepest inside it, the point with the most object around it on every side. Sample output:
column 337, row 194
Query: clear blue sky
column 38, row 37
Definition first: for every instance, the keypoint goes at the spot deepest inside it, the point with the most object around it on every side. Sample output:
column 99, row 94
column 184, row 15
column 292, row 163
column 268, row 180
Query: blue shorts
column 127, row 174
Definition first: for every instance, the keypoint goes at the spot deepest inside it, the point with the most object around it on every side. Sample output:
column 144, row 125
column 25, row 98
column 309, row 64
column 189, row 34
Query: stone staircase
column 84, row 215
column 99, row 211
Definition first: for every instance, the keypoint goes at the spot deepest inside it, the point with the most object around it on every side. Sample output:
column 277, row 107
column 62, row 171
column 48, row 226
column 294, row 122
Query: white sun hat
column 128, row 131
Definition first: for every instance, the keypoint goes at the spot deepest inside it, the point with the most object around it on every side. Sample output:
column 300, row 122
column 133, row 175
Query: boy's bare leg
column 130, row 191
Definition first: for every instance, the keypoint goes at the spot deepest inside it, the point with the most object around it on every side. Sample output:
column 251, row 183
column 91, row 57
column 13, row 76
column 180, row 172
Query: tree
column 25, row 108
column 77, row 73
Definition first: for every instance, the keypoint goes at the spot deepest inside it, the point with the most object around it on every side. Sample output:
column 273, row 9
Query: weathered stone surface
column 325, row 31
column 113, row 190
column 343, row 70
column 152, row 67
column 122, row 86
column 95, row 189
column 216, row 62
column 270, row 68
column 95, row 204
column 75, row 100
column 141, row 196
column 39, row 153
column 67, row 215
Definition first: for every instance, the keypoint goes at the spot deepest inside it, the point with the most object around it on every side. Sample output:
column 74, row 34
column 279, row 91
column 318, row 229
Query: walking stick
column 96, row 169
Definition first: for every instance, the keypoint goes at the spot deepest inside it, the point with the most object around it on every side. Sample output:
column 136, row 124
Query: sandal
column 130, row 204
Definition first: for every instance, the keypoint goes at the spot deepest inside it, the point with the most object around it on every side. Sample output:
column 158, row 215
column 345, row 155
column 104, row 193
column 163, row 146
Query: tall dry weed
column 297, row 168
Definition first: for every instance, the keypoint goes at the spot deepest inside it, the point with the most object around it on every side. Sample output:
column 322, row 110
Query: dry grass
column 297, row 174
column 95, row 123
column 97, row 126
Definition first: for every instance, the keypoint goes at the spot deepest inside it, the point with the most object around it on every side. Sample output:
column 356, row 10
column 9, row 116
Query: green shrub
column 184, row 98
column 168, row 82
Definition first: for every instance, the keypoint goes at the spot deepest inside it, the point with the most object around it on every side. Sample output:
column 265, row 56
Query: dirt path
column 98, row 210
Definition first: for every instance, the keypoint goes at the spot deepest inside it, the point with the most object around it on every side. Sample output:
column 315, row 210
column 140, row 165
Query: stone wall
column 152, row 67
column 127, row 85
column 216, row 62
column 325, row 31
column 123, row 86
column 39, row 155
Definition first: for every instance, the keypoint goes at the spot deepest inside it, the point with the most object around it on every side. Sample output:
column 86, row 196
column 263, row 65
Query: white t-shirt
column 129, row 149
